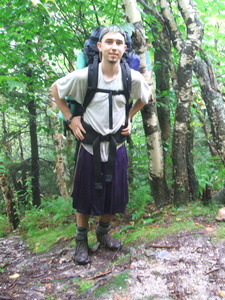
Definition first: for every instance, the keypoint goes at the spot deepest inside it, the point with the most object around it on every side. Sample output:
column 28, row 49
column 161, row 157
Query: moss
column 115, row 283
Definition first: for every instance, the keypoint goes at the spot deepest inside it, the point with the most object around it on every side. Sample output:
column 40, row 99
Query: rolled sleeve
column 74, row 85
column 139, row 88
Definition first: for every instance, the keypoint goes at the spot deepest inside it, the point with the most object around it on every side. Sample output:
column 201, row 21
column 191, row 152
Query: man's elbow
column 54, row 90
column 53, row 87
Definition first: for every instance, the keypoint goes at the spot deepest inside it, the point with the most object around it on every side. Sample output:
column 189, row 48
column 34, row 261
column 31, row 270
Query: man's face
column 112, row 47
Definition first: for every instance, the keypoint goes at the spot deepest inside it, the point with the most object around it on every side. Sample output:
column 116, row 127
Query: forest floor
column 188, row 265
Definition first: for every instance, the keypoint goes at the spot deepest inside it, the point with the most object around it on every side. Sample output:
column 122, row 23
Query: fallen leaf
column 222, row 294
column 197, row 224
column 48, row 285
column 209, row 229
column 14, row 276
column 50, row 261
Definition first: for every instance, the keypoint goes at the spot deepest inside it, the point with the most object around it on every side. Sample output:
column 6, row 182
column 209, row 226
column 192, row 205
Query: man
column 112, row 197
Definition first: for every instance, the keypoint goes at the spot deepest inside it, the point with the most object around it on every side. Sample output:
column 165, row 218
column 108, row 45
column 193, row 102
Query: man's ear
column 125, row 47
column 99, row 46
column 99, row 49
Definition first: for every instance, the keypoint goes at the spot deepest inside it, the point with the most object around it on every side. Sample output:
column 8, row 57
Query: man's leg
column 81, row 252
column 82, row 220
column 103, row 237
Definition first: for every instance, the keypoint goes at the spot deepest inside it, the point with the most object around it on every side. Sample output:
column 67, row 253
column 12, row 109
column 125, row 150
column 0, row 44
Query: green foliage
column 212, row 17
column 44, row 238
column 137, row 151
column 139, row 187
column 196, row 209
column 220, row 233
column 83, row 285
column 168, row 222
column 139, row 198
column 4, row 226
column 112, row 284
column 45, row 225
column 52, row 210
column 27, row 194
column 39, row 42
column 204, row 161
column 115, row 283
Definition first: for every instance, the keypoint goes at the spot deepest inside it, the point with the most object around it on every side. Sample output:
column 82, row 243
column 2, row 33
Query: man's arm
column 61, row 103
column 75, row 124
column 138, row 105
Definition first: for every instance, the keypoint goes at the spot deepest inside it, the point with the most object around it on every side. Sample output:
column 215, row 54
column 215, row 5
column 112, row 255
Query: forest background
column 176, row 151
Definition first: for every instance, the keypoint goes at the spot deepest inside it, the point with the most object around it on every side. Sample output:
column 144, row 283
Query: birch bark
column 60, row 158
column 187, row 50
column 214, row 104
column 156, row 168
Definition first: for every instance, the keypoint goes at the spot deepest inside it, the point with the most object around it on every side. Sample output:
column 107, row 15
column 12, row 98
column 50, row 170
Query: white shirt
column 97, row 113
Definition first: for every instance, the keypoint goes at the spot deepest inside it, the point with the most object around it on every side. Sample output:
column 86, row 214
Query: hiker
column 106, row 119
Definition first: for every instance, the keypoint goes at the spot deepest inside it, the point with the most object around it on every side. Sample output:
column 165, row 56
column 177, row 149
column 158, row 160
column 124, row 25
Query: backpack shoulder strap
column 126, row 78
column 92, row 82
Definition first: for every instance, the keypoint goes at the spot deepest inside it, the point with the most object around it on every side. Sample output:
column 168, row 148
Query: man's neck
column 110, row 70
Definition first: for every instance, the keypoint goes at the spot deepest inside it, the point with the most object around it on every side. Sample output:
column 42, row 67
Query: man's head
column 111, row 44
column 112, row 28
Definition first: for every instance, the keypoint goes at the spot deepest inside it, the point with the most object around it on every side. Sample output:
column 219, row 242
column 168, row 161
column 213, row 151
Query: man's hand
column 127, row 130
column 77, row 128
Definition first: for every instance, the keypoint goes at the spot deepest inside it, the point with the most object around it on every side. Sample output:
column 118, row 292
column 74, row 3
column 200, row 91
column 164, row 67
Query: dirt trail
column 185, row 266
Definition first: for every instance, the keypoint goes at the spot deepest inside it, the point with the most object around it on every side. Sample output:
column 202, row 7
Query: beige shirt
column 97, row 113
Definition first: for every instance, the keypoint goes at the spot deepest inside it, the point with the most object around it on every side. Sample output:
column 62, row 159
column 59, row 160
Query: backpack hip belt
column 94, row 138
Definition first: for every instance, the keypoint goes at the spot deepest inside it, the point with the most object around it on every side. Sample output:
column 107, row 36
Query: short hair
column 112, row 28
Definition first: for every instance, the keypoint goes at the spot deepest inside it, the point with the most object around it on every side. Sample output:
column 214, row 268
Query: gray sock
column 81, row 233
column 103, row 227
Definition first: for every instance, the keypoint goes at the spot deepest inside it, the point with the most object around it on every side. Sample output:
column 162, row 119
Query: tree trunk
column 193, row 182
column 207, row 131
column 162, row 88
column 160, row 191
column 5, row 186
column 181, row 135
column 214, row 104
column 149, row 113
column 60, row 157
column 35, row 166
column 70, row 150
column 9, row 200
column 35, row 169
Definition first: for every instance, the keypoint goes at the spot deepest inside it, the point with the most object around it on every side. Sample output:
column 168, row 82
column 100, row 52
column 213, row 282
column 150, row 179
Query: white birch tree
column 158, row 184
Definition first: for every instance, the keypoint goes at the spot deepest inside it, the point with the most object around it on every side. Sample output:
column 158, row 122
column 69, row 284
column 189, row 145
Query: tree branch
column 175, row 34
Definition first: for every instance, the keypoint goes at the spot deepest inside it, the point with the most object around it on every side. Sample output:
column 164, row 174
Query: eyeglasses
column 112, row 28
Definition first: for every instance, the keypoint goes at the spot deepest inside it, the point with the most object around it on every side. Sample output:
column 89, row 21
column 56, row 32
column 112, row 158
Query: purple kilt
column 113, row 198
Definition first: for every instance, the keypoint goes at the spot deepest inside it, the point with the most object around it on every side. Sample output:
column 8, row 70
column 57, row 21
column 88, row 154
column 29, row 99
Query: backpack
column 90, row 50
column 90, row 57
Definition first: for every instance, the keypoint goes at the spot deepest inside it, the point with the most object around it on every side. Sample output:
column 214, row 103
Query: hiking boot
column 81, row 252
column 107, row 241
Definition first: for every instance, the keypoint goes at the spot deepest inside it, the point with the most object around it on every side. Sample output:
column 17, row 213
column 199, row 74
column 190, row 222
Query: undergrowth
column 4, row 225
column 54, row 221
